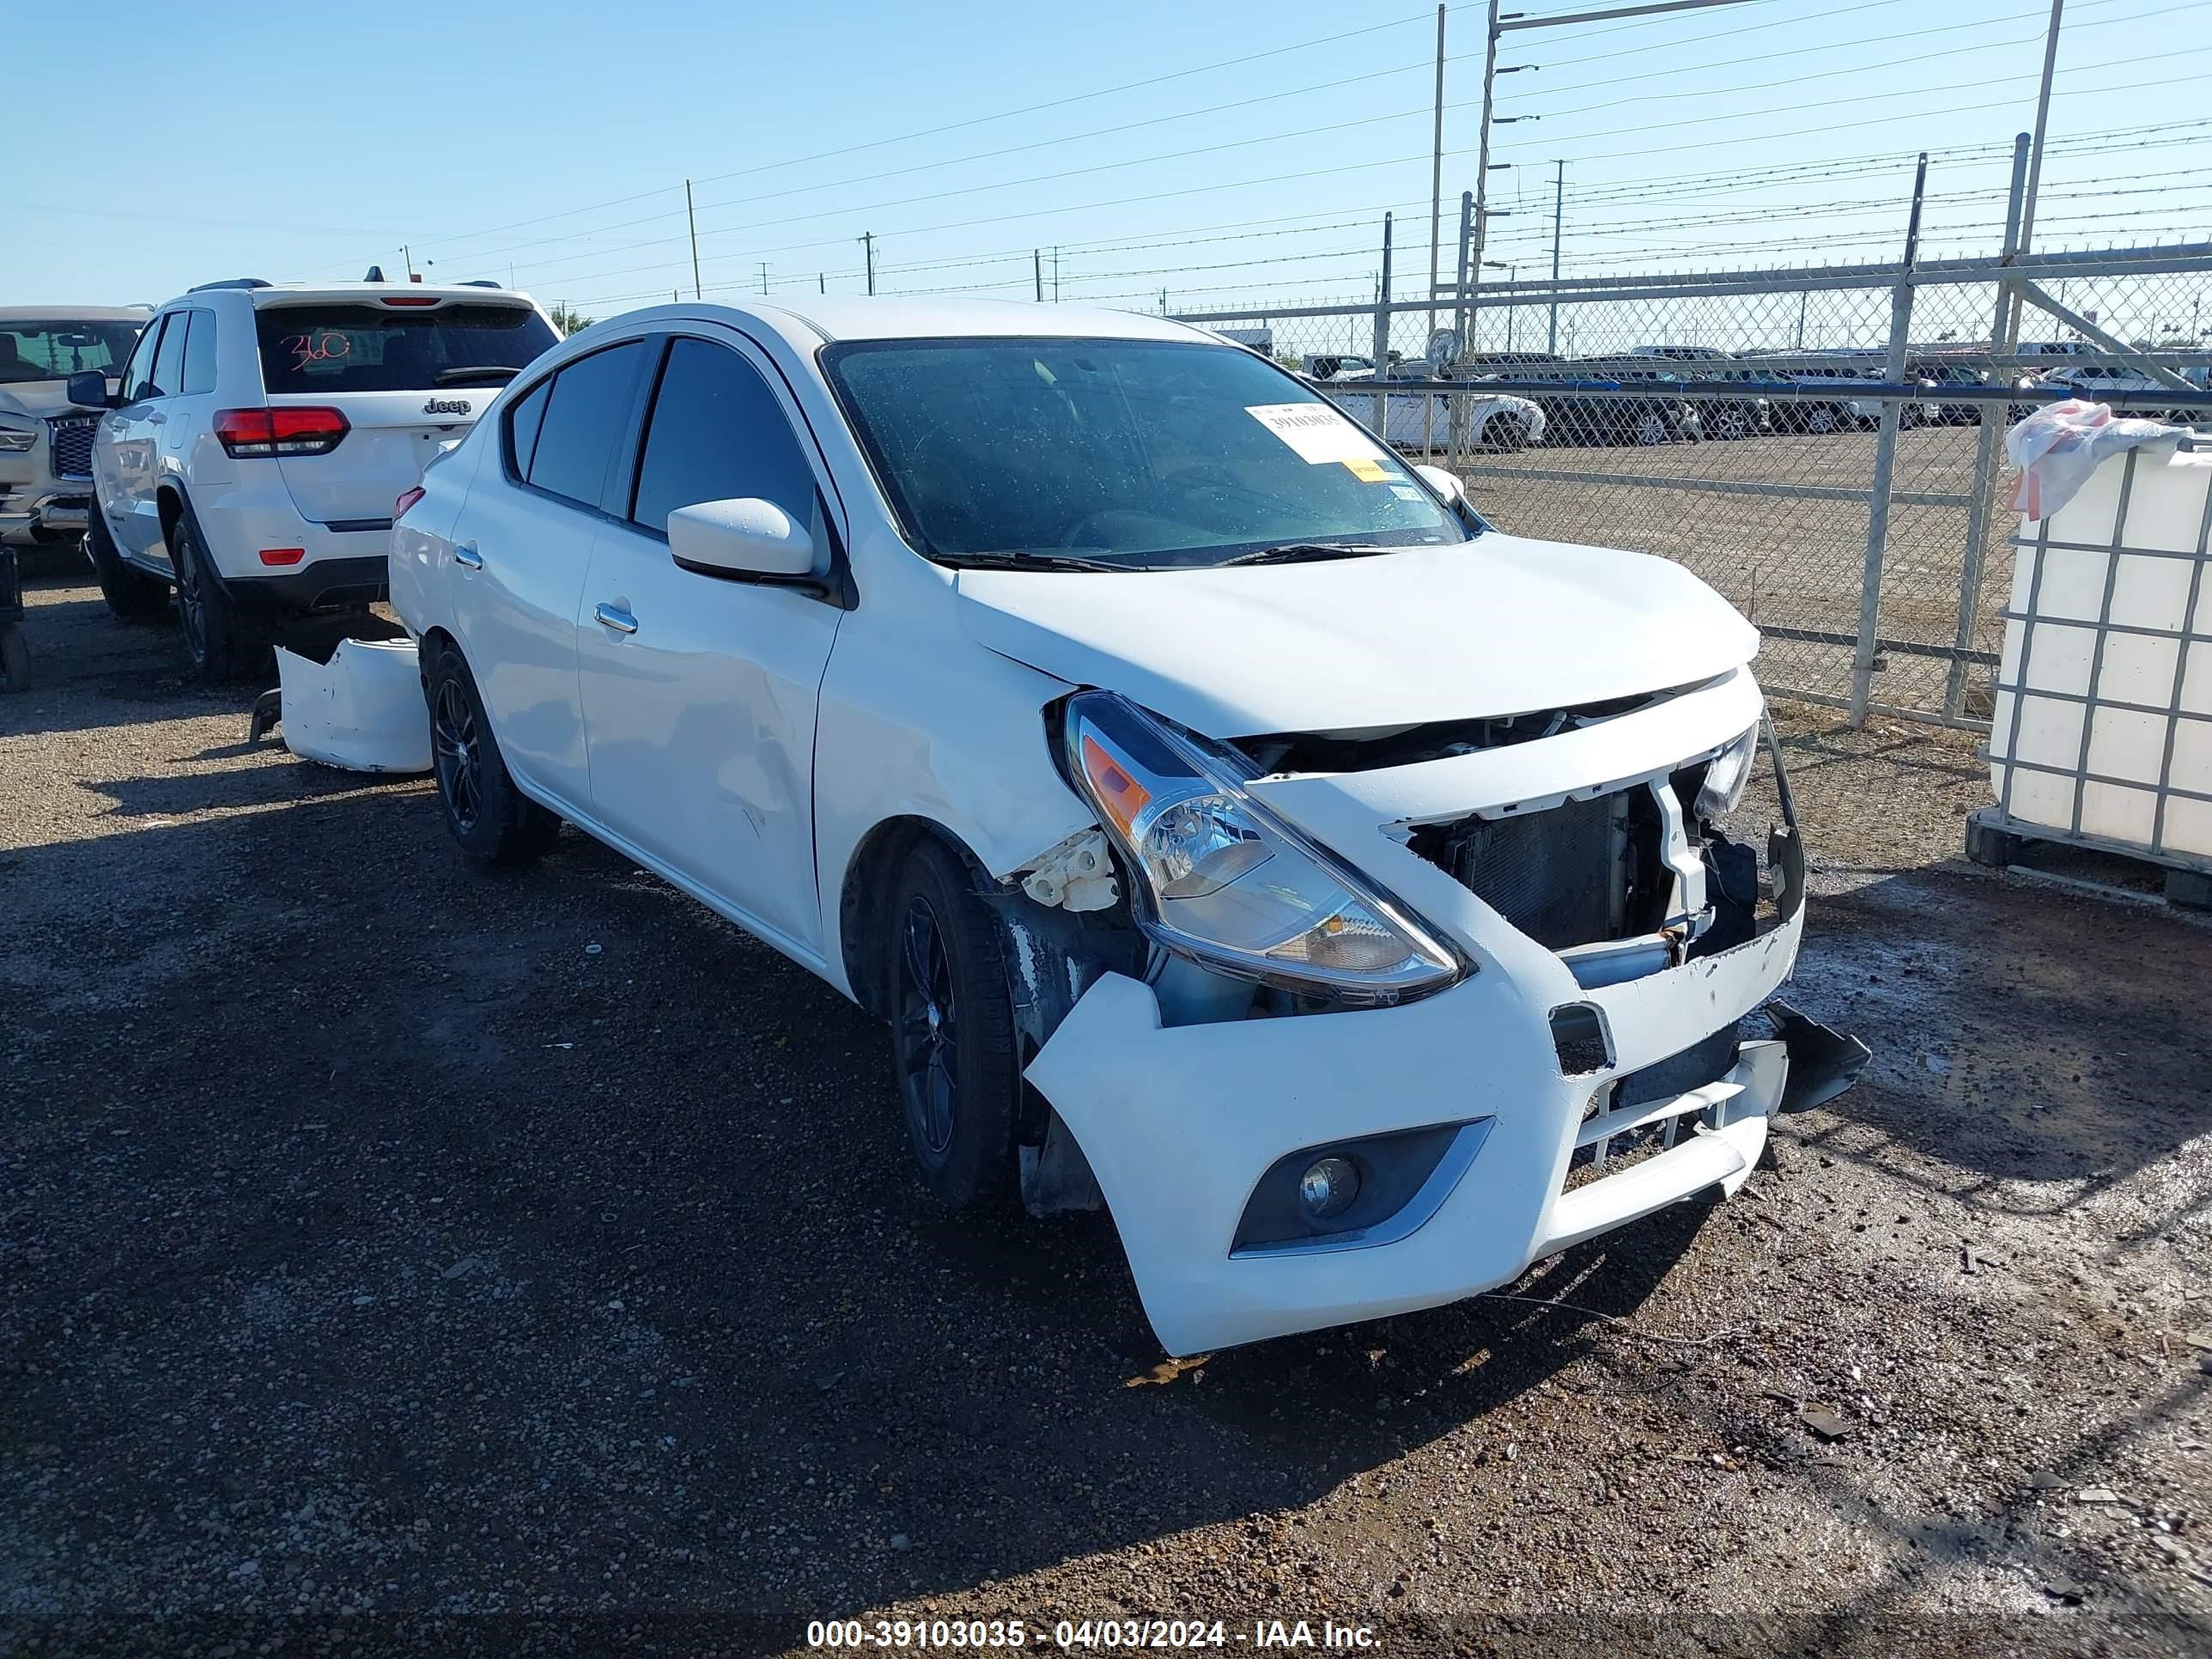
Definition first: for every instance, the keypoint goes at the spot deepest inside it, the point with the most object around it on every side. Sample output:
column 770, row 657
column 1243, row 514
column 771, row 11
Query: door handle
column 621, row 621
column 466, row 556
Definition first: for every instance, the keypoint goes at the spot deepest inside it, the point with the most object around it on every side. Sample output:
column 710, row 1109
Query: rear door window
column 169, row 362
column 585, row 418
column 718, row 433
column 199, row 353
column 522, row 428
column 371, row 347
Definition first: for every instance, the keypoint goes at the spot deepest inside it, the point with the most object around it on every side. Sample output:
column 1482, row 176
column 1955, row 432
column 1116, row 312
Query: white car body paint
column 362, row 710
column 1351, row 643
column 927, row 702
column 1151, row 1105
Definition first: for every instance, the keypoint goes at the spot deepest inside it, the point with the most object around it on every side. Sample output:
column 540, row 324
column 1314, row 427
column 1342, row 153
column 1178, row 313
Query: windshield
column 368, row 348
column 1138, row 453
column 56, row 350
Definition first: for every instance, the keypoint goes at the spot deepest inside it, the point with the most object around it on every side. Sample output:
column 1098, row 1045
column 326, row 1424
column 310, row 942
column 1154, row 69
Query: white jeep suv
column 1232, row 825
column 251, row 456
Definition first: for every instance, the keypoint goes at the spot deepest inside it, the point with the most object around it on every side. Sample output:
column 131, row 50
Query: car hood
column 1498, row 626
column 40, row 398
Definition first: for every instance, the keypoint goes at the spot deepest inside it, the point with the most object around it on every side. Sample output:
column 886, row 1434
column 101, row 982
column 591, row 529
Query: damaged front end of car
column 1346, row 1024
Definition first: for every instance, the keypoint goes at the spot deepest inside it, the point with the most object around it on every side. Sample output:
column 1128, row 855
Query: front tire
column 218, row 642
column 1506, row 434
column 494, row 821
column 1650, row 429
column 952, row 1030
column 131, row 595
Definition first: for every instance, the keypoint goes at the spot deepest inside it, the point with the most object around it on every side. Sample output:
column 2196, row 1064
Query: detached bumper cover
column 362, row 710
column 1179, row 1122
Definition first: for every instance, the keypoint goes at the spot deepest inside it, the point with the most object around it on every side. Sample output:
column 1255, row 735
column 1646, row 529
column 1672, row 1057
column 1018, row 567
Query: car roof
column 810, row 322
column 75, row 314
column 288, row 294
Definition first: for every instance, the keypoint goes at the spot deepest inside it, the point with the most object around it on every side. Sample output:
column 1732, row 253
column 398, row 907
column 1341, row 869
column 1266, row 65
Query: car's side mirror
column 1446, row 485
column 746, row 536
column 89, row 389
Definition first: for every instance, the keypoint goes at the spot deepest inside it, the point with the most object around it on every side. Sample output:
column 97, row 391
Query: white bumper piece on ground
column 362, row 710
column 1179, row 1123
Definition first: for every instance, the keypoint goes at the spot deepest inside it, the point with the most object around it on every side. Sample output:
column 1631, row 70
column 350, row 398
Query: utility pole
column 822, row 281
column 1468, row 290
column 1383, row 331
column 1465, row 234
column 1036, row 271
column 407, row 258
column 1436, row 174
column 1056, row 276
column 764, row 275
column 692, row 219
column 1559, row 212
column 868, row 243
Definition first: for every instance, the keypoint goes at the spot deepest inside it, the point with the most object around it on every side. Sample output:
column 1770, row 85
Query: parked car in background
column 252, row 452
column 1192, row 784
column 1721, row 418
column 46, row 441
column 1833, row 399
column 1328, row 365
column 1938, row 373
column 1590, row 403
column 1437, row 413
column 2107, row 382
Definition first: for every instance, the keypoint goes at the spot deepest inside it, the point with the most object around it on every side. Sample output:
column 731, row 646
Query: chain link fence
column 1825, row 447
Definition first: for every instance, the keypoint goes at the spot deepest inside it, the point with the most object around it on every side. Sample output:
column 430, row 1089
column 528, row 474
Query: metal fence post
column 1981, row 493
column 1382, row 338
column 1885, row 461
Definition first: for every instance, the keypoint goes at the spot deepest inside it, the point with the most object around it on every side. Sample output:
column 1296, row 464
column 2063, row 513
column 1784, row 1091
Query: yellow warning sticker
column 1367, row 470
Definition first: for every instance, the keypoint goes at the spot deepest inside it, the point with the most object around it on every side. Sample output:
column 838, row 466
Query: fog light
column 1328, row 1188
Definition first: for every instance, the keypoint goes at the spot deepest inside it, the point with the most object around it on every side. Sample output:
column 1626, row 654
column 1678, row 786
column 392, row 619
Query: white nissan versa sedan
column 1231, row 824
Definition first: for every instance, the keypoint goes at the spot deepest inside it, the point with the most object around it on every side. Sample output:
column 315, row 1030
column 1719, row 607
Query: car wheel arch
column 865, row 894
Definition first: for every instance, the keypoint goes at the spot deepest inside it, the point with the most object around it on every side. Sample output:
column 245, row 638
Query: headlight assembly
column 1726, row 774
column 15, row 440
column 1218, row 877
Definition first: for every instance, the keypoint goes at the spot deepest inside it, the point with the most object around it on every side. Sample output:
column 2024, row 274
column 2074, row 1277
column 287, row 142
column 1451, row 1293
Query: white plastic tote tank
column 2108, row 641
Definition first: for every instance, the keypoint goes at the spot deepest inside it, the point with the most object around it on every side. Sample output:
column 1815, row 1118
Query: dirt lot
column 397, row 1258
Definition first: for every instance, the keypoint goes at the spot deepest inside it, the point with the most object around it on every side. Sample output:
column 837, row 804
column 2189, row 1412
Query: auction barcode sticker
column 1315, row 431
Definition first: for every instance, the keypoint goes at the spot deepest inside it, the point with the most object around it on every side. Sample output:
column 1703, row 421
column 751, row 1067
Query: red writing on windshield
column 321, row 348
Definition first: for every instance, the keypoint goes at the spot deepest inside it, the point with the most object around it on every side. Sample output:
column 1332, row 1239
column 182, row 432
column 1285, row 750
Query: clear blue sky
column 304, row 141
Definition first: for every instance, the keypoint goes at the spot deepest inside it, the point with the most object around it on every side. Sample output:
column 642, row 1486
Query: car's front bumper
column 1179, row 1122
column 31, row 514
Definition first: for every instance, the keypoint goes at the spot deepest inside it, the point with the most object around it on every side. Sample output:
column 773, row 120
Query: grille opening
column 71, row 437
column 1581, row 873
column 1372, row 749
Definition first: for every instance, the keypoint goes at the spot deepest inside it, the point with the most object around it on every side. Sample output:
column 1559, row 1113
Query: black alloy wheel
column 458, row 755
column 928, row 1032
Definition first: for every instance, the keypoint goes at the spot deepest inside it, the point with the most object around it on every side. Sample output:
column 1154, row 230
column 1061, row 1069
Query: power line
column 952, row 126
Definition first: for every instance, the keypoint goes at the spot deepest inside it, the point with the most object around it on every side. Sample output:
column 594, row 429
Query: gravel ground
column 400, row 1259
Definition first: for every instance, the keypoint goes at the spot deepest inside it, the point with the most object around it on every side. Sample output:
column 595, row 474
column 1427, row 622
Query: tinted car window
column 169, row 362
column 199, row 353
column 372, row 348
column 1156, row 452
column 522, row 427
column 584, row 421
column 138, row 375
column 55, row 350
column 717, row 432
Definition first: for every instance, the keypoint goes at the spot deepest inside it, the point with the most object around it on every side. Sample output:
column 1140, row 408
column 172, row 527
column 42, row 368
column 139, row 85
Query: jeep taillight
column 246, row 433
column 399, row 508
